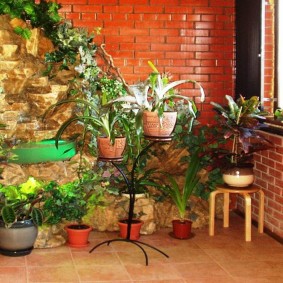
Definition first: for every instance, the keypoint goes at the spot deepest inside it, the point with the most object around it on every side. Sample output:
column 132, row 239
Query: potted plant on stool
column 180, row 196
column 240, row 121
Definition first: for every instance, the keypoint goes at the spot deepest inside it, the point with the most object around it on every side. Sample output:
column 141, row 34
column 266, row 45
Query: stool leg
column 248, row 217
column 226, row 210
column 212, row 212
column 261, row 211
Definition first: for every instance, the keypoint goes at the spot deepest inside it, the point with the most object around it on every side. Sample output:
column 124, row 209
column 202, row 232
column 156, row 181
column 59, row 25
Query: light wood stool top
column 245, row 192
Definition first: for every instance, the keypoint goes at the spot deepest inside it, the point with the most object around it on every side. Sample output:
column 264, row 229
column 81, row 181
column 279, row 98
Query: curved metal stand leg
column 131, row 188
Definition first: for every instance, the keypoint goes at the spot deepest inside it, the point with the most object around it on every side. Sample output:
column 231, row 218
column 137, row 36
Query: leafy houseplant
column 43, row 14
column 70, row 202
column 157, row 95
column 240, row 120
column 180, row 196
column 20, row 208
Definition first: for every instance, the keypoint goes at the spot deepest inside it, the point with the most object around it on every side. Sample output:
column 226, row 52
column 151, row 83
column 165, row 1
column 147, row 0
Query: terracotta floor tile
column 200, row 270
column 13, row 275
column 253, row 269
column 211, row 279
column 52, row 274
column 96, row 258
column 40, row 258
column 154, row 271
column 12, row 261
column 110, row 273
column 226, row 258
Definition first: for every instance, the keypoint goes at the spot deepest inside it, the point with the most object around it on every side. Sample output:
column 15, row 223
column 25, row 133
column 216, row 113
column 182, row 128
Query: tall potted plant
column 20, row 215
column 180, row 196
column 241, row 120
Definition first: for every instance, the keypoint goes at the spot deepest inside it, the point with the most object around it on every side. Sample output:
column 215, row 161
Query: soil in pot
column 135, row 228
column 78, row 235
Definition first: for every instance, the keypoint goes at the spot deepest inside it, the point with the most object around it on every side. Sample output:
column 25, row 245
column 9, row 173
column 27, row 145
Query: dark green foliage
column 8, row 214
column 44, row 14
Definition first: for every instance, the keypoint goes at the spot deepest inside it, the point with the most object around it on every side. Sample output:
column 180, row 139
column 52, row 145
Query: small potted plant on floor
column 20, row 214
column 69, row 203
column 180, row 196
column 240, row 121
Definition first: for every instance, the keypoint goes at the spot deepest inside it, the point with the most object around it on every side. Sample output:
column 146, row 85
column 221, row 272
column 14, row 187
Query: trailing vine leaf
column 23, row 32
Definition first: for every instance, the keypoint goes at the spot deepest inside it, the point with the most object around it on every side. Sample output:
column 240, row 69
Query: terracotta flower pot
column 152, row 126
column 111, row 151
column 182, row 229
column 78, row 235
column 135, row 228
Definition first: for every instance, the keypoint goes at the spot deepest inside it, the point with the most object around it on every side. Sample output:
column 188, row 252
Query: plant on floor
column 20, row 202
column 180, row 196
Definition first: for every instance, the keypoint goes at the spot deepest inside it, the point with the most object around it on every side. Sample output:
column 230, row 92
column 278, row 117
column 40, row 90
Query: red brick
column 134, row 46
column 133, row 2
column 71, row 2
column 165, row 47
column 149, row 24
column 98, row 2
column 149, row 10
column 87, row 8
column 134, row 32
column 164, row 32
column 180, row 25
column 117, row 9
column 208, row 55
column 150, row 39
column 195, row 3
column 179, row 55
column 221, row 3
column 179, row 10
column 194, row 47
column 73, row 16
column 209, row 10
column 119, row 24
column 164, row 2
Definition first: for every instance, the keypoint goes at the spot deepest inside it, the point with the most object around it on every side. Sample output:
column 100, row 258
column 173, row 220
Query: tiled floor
column 226, row 257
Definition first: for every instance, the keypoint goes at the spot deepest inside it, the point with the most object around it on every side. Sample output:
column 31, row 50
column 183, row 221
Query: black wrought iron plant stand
column 131, row 189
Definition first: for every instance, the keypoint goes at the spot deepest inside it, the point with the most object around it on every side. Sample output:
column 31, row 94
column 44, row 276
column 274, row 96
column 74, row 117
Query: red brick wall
column 188, row 38
column 269, row 176
column 269, row 57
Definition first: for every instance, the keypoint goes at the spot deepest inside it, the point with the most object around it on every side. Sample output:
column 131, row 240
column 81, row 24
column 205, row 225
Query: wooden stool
column 245, row 192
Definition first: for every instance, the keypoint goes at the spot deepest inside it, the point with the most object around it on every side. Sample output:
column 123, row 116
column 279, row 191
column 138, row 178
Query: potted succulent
column 154, row 101
column 180, row 196
column 20, row 215
column 241, row 120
